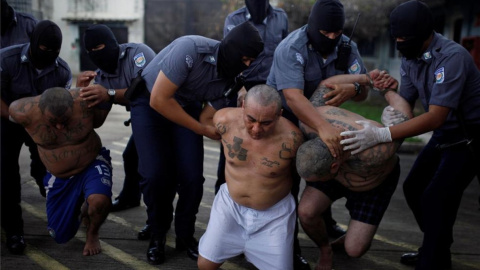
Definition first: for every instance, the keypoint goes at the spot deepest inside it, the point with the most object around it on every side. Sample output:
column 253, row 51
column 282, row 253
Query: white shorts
column 264, row 237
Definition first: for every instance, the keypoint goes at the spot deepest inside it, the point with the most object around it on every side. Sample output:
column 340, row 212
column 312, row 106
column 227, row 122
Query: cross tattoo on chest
column 236, row 150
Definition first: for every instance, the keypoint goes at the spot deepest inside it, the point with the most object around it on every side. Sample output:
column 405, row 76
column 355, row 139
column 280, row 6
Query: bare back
column 258, row 172
column 367, row 169
column 64, row 152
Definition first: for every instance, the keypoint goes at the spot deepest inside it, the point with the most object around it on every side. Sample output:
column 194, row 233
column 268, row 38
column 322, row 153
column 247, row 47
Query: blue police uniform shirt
column 21, row 79
column 20, row 29
column 445, row 76
column 297, row 65
column 132, row 58
column 273, row 30
column 190, row 62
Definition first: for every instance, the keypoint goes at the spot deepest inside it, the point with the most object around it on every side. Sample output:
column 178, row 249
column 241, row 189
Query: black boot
column 410, row 258
column 188, row 244
column 16, row 244
column 145, row 233
column 120, row 204
column 299, row 263
column 156, row 250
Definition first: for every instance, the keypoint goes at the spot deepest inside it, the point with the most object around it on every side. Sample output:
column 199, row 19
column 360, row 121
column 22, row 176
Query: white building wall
column 67, row 13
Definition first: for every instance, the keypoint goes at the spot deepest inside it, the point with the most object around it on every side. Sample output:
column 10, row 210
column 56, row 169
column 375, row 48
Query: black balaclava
column 242, row 40
column 413, row 21
column 105, row 59
column 327, row 15
column 258, row 9
column 48, row 34
column 7, row 16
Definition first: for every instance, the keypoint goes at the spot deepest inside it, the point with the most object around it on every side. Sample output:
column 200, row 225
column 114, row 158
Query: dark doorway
column 120, row 32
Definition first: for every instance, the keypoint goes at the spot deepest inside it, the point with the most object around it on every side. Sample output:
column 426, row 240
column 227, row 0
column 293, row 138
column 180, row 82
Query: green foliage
column 372, row 111
column 366, row 109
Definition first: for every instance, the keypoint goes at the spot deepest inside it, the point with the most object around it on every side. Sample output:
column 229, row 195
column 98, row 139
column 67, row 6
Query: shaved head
column 264, row 95
column 56, row 100
column 313, row 159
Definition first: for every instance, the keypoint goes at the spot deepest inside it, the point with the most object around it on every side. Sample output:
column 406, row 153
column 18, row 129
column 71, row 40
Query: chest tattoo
column 270, row 163
column 286, row 152
column 236, row 150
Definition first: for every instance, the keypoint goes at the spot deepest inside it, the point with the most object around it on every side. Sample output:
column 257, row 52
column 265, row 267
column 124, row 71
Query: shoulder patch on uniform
column 140, row 60
column 440, row 75
column 189, row 61
column 211, row 59
column 402, row 72
column 427, row 55
column 354, row 68
column 299, row 58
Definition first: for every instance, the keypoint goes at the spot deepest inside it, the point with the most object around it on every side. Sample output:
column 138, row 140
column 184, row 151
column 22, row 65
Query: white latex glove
column 391, row 117
column 365, row 138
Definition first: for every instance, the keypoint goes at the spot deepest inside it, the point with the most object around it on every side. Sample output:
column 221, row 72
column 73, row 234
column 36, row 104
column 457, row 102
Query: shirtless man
column 79, row 171
column 367, row 180
column 253, row 212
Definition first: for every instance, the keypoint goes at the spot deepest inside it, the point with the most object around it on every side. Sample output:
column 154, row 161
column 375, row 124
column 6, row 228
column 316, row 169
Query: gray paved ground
column 121, row 250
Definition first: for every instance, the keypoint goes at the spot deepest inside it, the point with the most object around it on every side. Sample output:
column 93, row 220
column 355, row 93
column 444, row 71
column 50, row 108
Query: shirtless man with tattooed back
column 367, row 180
column 253, row 212
column 79, row 177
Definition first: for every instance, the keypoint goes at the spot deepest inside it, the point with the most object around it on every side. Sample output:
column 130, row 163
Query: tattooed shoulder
column 222, row 129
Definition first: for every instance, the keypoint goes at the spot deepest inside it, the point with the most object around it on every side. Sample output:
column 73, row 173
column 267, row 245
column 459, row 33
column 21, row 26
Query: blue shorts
column 367, row 206
column 66, row 196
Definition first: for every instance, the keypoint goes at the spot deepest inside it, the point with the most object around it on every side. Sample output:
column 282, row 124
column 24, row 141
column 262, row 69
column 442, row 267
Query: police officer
column 302, row 60
column 443, row 75
column 26, row 70
column 168, row 135
column 16, row 27
column 118, row 66
column 271, row 23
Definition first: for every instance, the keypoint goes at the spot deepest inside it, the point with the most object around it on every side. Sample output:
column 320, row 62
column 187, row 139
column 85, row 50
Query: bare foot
column 325, row 261
column 92, row 245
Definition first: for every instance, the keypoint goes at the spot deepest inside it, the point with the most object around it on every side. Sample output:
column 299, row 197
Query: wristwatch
column 111, row 94
column 358, row 89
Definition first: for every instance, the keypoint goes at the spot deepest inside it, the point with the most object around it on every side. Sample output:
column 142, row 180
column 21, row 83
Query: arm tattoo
column 25, row 108
column 296, row 141
column 222, row 129
column 317, row 99
column 236, row 150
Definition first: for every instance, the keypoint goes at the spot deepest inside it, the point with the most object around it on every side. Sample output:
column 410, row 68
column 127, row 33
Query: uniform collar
column 123, row 51
column 433, row 47
column 248, row 17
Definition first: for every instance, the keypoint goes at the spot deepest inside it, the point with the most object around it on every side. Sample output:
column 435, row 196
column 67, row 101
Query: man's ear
column 334, row 167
